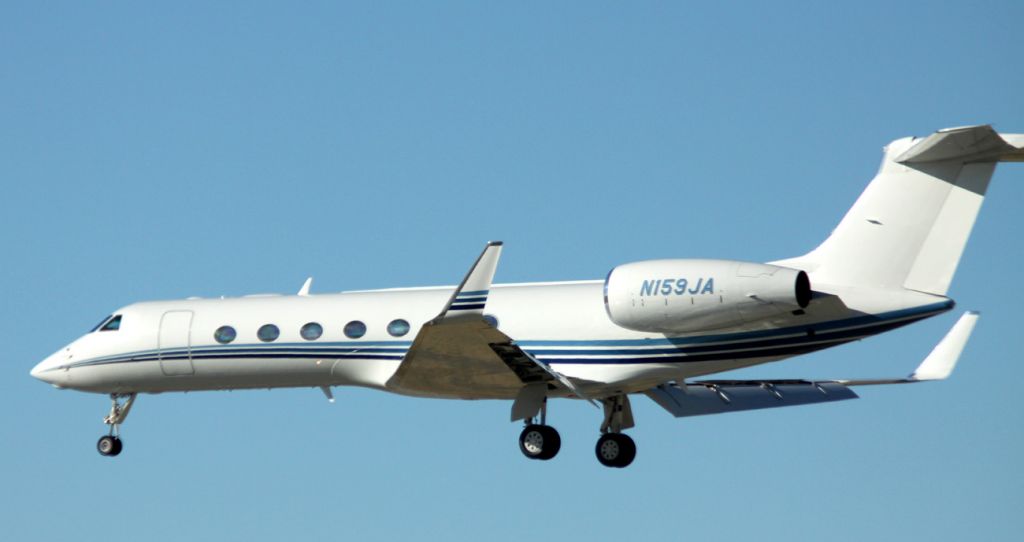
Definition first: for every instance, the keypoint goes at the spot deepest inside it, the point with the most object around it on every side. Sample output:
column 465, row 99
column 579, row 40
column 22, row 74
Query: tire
column 539, row 442
column 615, row 450
column 108, row 446
column 552, row 443
column 117, row 446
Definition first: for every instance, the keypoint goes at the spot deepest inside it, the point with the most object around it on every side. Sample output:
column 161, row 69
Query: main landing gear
column 540, row 441
column 614, row 448
column 110, row 444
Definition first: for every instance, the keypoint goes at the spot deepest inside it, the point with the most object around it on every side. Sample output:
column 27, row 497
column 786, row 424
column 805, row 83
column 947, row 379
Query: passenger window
column 398, row 327
column 113, row 324
column 268, row 333
column 355, row 329
column 311, row 331
column 225, row 334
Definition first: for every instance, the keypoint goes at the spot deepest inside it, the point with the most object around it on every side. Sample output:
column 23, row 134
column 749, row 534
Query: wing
column 459, row 354
column 718, row 396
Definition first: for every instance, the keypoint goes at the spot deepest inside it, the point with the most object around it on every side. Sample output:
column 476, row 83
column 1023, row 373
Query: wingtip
column 943, row 358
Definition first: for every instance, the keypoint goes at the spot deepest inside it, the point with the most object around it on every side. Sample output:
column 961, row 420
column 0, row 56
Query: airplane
column 657, row 328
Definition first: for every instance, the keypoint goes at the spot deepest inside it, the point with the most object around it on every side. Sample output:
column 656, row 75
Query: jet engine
column 673, row 296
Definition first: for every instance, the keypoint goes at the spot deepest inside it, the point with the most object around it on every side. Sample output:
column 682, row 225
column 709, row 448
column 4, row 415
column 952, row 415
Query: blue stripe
column 475, row 292
column 466, row 307
column 742, row 345
column 923, row 311
column 795, row 345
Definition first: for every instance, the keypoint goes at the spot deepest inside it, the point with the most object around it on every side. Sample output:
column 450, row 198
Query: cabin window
column 224, row 334
column 311, row 331
column 268, row 333
column 398, row 327
column 491, row 319
column 113, row 324
column 355, row 329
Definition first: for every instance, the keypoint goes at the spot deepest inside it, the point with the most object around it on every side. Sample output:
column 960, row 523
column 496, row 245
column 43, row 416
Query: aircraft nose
column 46, row 370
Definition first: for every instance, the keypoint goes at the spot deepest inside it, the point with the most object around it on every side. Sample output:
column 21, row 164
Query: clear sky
column 157, row 152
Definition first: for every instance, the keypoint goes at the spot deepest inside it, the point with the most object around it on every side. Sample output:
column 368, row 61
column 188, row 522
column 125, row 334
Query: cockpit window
column 99, row 325
column 113, row 324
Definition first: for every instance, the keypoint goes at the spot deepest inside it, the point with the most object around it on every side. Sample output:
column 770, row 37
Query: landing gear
column 110, row 445
column 539, row 441
column 615, row 449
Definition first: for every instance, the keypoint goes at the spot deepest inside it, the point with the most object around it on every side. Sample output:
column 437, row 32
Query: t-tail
column 910, row 226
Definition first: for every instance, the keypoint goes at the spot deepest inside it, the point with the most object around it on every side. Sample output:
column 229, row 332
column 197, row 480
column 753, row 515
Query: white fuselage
column 169, row 345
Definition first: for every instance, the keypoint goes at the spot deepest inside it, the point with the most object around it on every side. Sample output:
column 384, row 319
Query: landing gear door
column 174, row 343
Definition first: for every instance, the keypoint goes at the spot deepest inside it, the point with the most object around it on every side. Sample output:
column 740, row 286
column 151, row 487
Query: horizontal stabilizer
column 966, row 144
column 717, row 397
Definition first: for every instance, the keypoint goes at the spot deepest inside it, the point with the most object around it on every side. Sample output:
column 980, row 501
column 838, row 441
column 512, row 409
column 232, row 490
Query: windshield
column 110, row 323
column 103, row 321
column 113, row 324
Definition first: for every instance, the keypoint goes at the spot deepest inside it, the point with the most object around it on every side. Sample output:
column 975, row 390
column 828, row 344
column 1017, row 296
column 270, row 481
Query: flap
column 717, row 397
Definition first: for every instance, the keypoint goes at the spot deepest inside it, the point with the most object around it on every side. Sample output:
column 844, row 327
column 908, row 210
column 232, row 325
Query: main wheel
column 615, row 450
column 539, row 442
column 108, row 445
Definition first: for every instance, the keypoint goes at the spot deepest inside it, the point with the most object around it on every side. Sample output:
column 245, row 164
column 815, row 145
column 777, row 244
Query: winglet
column 471, row 295
column 940, row 362
column 305, row 287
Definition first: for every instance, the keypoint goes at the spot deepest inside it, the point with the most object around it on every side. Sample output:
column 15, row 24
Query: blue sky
column 159, row 152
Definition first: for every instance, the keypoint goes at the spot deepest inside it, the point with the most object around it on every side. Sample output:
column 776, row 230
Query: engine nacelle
column 672, row 296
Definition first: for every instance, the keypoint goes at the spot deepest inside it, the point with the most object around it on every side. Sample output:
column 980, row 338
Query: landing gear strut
column 615, row 449
column 540, row 441
column 110, row 444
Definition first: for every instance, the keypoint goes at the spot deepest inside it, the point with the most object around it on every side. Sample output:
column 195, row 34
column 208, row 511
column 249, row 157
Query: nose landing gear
column 110, row 444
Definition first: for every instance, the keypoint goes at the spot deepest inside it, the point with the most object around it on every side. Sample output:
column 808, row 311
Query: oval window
column 268, row 333
column 225, row 334
column 311, row 331
column 398, row 327
column 491, row 319
column 355, row 329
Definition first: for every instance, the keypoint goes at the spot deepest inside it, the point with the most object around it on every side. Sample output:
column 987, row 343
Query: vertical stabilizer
column 910, row 226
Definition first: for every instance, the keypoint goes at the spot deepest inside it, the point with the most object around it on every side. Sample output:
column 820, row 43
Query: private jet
column 657, row 328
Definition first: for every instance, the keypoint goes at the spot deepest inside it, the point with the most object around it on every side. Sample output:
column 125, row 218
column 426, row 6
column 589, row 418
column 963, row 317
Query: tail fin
column 909, row 227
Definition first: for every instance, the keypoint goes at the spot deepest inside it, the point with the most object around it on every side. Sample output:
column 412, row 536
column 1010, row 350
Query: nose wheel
column 110, row 445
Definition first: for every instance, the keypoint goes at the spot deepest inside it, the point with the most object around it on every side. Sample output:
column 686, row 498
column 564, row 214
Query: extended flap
column 716, row 397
